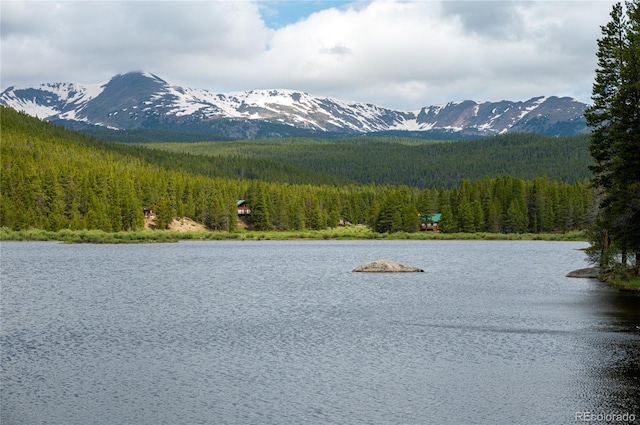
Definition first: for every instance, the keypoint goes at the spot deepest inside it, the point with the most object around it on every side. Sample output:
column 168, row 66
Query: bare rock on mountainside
column 142, row 100
column 385, row 266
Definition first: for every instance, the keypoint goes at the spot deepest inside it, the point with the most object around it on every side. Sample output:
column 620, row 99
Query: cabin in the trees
column 243, row 208
column 430, row 222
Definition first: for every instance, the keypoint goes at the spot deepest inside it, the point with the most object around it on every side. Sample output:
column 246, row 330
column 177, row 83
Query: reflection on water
column 614, row 370
column 283, row 332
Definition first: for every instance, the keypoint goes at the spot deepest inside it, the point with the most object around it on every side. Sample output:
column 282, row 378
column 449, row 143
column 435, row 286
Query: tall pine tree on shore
column 615, row 141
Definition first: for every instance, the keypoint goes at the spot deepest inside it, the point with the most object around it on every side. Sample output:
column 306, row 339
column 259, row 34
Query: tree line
column 412, row 162
column 501, row 205
column 615, row 141
column 53, row 179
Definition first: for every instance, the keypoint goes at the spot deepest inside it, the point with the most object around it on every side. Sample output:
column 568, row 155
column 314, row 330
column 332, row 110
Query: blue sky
column 277, row 14
column 401, row 54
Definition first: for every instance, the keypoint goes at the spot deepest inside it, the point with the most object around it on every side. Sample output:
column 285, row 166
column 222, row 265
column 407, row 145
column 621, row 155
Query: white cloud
column 93, row 40
column 401, row 54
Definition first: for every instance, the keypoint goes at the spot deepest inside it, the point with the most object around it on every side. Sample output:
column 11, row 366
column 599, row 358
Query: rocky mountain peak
column 144, row 100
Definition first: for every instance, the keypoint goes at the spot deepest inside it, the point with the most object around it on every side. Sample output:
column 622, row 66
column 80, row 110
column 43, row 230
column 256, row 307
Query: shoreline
column 67, row 236
column 348, row 233
column 631, row 286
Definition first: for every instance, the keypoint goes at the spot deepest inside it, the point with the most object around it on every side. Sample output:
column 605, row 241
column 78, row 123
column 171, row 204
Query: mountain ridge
column 139, row 100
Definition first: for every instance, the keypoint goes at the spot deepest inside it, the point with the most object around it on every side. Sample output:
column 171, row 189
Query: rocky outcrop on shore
column 589, row 272
column 385, row 266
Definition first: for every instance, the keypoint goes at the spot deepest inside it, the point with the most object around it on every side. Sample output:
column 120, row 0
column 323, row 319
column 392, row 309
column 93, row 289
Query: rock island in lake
column 380, row 266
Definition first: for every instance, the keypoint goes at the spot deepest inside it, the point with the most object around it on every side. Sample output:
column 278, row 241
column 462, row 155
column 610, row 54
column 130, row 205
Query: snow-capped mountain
column 143, row 100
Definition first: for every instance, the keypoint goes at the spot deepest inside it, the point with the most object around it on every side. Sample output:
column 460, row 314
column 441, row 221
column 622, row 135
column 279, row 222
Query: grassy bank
column 632, row 285
column 349, row 233
column 88, row 236
column 624, row 282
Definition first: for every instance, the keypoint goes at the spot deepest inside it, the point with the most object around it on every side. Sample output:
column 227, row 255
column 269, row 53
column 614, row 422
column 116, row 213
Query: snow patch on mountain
column 144, row 100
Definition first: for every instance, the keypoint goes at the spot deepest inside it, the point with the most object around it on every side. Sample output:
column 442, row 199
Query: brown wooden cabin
column 430, row 222
column 243, row 208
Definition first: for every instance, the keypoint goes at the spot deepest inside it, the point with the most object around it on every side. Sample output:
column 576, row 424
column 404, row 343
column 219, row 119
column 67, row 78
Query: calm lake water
column 282, row 332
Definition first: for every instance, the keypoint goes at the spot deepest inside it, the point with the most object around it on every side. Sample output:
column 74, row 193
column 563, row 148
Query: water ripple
column 283, row 332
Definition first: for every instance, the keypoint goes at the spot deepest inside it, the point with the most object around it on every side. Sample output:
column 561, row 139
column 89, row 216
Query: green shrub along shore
column 349, row 233
column 631, row 285
column 622, row 278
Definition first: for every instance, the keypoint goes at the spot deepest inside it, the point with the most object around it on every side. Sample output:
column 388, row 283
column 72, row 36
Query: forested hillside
column 52, row 178
column 415, row 163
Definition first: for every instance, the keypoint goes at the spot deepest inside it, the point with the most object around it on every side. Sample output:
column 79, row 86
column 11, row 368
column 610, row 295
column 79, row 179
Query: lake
column 282, row 332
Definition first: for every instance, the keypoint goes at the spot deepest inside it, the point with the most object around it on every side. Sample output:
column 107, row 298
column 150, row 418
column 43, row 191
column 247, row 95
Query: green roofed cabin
column 430, row 222
column 243, row 209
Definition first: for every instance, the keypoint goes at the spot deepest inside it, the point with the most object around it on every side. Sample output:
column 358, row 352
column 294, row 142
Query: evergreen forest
column 53, row 178
column 414, row 162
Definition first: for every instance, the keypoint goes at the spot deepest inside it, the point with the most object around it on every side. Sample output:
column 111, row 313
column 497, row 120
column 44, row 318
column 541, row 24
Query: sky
column 400, row 54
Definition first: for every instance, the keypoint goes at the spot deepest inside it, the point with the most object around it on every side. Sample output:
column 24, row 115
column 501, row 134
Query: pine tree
column 410, row 218
column 494, row 214
column 517, row 220
column 615, row 140
column 259, row 209
column 164, row 212
column 465, row 217
column 334, row 218
column 447, row 223
column 387, row 217
column 478, row 216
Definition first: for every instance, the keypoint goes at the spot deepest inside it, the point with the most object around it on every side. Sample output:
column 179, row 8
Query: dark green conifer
column 615, row 140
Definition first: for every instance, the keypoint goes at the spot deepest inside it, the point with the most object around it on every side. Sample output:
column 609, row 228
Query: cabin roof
column 430, row 218
column 240, row 202
column 435, row 217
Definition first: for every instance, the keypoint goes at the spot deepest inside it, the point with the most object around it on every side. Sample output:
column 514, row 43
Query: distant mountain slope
column 412, row 162
column 140, row 100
